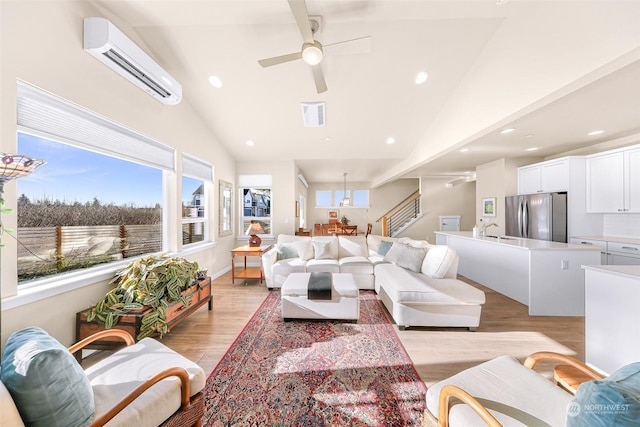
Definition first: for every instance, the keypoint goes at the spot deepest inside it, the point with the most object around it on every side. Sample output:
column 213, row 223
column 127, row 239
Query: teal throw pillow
column 384, row 247
column 47, row 384
column 287, row 251
column 610, row 402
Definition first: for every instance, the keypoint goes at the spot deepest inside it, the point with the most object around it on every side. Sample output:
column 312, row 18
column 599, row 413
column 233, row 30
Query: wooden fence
column 50, row 250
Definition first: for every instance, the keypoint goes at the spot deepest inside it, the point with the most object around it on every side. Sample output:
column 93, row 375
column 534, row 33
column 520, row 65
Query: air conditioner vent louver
column 112, row 47
column 313, row 114
column 132, row 69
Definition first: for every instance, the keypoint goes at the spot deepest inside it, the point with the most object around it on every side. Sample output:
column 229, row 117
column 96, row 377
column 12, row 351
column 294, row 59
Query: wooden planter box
column 131, row 322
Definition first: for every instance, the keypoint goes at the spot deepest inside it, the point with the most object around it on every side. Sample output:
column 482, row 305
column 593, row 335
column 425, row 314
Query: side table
column 250, row 272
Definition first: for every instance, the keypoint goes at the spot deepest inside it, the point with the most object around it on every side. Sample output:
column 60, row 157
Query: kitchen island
column 546, row 276
column 612, row 337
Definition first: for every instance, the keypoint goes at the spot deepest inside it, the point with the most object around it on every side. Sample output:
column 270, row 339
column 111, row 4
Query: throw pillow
column 384, row 247
column 287, row 250
column 438, row 261
column 47, row 384
column 613, row 401
column 406, row 256
column 322, row 249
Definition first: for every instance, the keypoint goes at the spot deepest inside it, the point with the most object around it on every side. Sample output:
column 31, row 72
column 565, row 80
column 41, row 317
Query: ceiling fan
column 312, row 51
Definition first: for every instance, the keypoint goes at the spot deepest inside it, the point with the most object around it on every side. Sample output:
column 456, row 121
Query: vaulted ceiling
column 554, row 71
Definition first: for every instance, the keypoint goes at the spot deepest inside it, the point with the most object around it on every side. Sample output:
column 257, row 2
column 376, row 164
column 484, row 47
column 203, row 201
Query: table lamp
column 254, row 229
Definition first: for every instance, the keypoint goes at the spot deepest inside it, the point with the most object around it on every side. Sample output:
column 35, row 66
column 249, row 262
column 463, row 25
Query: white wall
column 41, row 44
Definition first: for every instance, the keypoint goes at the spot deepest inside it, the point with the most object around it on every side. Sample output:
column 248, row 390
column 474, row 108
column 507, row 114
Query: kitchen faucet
column 485, row 226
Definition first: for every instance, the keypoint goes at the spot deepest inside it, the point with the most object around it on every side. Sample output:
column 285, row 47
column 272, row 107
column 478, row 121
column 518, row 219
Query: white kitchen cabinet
column 600, row 244
column 613, row 181
column 544, row 177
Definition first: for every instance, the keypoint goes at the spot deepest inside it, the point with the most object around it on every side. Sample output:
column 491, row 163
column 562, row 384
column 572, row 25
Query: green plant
column 153, row 281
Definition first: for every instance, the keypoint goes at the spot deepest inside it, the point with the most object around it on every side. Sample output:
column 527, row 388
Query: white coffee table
column 344, row 302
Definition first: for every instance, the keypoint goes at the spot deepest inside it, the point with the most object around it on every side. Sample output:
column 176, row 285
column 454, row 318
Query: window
column 99, row 196
column 359, row 198
column 80, row 209
column 323, row 198
column 256, row 201
column 196, row 177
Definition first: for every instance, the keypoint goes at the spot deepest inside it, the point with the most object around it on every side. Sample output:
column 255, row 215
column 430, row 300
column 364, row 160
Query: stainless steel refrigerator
column 537, row 216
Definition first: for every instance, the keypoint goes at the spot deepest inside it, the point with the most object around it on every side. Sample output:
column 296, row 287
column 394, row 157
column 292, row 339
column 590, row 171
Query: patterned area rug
column 315, row 373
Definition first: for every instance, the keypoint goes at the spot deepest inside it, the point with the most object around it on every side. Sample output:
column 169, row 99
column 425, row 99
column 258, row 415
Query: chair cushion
column 514, row 394
column 437, row 262
column 613, row 401
column 47, row 384
column 117, row 375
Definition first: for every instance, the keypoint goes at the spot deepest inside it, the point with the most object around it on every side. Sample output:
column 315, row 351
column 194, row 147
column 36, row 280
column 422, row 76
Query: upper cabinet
column 613, row 181
column 544, row 177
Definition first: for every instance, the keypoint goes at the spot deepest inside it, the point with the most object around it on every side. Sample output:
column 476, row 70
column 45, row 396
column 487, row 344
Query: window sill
column 51, row 286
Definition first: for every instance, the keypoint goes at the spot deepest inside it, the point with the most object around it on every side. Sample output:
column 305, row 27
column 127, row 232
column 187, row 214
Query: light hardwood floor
column 437, row 353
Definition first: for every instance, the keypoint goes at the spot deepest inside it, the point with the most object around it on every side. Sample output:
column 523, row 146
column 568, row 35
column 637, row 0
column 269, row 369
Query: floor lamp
column 13, row 167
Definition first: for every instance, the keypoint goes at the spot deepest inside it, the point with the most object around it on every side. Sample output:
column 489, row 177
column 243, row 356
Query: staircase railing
column 399, row 215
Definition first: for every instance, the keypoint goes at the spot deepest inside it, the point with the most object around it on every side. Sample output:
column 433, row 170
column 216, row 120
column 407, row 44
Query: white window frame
column 261, row 182
column 200, row 170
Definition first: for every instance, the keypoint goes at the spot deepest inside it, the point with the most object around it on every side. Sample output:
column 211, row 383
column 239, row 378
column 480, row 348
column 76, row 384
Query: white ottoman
column 344, row 302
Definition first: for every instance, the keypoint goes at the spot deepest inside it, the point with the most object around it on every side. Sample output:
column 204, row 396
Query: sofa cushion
column 374, row 240
column 406, row 287
column 287, row 250
column 509, row 390
column 352, row 246
column 356, row 265
column 384, row 247
column 288, row 266
column 303, row 244
column 47, row 384
column 438, row 261
column 328, row 265
column 322, row 250
column 146, row 358
column 613, row 401
column 406, row 256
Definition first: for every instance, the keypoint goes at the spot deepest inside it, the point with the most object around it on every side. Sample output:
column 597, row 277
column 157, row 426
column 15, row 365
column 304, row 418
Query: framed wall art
column 489, row 206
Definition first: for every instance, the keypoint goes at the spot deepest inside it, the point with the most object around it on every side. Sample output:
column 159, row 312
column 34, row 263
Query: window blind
column 49, row 116
column 196, row 168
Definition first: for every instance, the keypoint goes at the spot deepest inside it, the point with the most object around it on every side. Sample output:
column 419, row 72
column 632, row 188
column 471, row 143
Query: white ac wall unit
column 111, row 46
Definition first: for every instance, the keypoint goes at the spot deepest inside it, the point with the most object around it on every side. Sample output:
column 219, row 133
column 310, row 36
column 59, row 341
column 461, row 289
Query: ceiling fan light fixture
column 312, row 53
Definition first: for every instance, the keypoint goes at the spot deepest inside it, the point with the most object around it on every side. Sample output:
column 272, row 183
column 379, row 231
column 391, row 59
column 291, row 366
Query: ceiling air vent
column 313, row 114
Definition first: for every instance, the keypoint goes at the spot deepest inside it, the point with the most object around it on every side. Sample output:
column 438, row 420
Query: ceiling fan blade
column 318, row 77
column 300, row 13
column 268, row 62
column 364, row 38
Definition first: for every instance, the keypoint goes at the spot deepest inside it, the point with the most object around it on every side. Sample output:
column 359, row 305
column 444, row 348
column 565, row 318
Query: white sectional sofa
column 415, row 280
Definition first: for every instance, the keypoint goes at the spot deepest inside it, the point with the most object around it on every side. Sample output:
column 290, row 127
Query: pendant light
column 345, row 200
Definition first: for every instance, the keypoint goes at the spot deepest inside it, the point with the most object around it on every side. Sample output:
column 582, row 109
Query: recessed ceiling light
column 532, row 149
column 421, row 77
column 595, row 132
column 529, row 136
column 507, row 130
column 464, row 150
column 391, row 140
column 250, row 143
column 215, row 82
column 327, row 139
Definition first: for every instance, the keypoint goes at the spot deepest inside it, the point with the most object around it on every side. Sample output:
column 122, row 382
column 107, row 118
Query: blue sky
column 72, row 174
